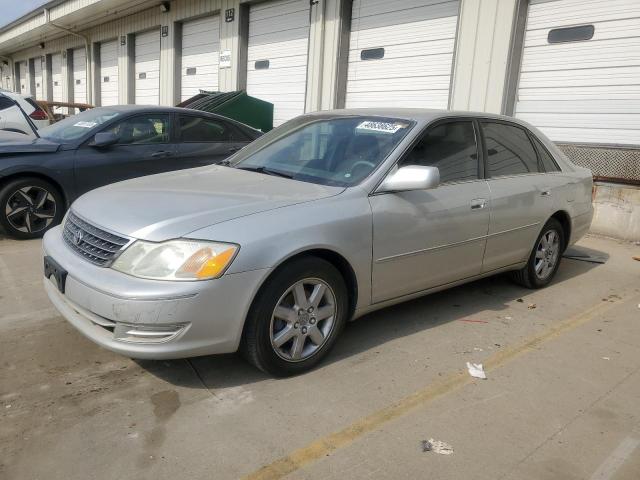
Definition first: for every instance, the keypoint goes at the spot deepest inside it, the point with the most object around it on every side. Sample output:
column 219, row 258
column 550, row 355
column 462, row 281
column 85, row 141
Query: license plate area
column 52, row 269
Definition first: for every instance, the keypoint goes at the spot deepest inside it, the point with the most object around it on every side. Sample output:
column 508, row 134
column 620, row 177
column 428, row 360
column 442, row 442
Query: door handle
column 161, row 154
column 234, row 149
column 478, row 203
column 545, row 193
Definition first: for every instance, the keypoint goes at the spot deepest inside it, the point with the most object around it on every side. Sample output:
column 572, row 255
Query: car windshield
column 338, row 151
column 77, row 126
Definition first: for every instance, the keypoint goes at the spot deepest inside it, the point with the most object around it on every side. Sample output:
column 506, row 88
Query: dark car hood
column 11, row 142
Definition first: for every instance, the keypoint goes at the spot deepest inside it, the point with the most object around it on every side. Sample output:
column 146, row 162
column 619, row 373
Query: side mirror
column 104, row 139
column 413, row 177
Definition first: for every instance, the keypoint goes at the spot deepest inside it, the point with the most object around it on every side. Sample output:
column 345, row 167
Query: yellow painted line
column 332, row 442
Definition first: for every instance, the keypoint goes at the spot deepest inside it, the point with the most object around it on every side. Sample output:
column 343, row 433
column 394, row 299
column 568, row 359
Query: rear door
column 145, row 147
column 203, row 141
column 520, row 194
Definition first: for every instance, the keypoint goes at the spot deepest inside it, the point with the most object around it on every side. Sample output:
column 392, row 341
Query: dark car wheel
column 296, row 317
column 29, row 207
column 545, row 257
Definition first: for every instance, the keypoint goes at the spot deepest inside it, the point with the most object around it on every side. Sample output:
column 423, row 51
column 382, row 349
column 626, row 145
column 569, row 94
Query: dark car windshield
column 339, row 151
column 77, row 126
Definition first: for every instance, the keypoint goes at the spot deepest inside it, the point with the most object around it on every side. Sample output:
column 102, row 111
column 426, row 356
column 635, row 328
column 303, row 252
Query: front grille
column 94, row 244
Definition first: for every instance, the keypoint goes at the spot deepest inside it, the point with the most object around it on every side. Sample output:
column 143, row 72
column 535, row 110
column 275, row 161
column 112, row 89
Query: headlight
column 176, row 259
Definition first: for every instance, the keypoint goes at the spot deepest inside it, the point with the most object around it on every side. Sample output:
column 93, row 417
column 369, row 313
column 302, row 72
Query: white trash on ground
column 437, row 446
column 476, row 370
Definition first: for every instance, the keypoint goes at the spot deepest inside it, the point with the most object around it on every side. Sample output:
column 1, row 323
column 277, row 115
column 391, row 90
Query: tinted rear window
column 509, row 150
column 547, row 160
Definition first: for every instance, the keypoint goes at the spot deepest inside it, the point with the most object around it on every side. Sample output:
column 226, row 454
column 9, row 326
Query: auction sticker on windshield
column 85, row 124
column 382, row 127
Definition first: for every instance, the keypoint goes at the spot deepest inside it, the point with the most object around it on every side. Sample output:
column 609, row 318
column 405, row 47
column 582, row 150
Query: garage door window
column 509, row 151
column 143, row 130
column 452, row 148
column 571, row 34
column 195, row 129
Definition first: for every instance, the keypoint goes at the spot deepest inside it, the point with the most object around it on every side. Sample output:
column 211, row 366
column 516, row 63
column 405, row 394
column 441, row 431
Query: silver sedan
column 329, row 217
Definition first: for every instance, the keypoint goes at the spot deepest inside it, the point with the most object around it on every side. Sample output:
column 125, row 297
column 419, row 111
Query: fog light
column 126, row 332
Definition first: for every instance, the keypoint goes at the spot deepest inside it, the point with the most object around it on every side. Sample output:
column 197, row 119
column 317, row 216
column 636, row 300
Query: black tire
column 256, row 345
column 40, row 219
column 527, row 276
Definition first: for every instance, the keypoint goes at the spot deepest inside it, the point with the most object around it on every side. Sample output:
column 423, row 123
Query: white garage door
column 109, row 73
column 401, row 53
column 200, row 55
column 277, row 56
column 147, row 68
column 79, row 76
column 56, row 76
column 580, row 72
column 37, row 73
column 23, row 78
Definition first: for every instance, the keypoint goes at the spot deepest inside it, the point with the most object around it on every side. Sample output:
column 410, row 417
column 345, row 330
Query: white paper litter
column 437, row 446
column 476, row 370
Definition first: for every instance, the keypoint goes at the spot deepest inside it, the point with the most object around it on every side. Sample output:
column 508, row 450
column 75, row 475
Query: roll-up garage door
column 200, row 55
column 580, row 71
column 147, row 69
column 109, row 73
column 401, row 53
column 277, row 56
column 79, row 76
column 56, row 76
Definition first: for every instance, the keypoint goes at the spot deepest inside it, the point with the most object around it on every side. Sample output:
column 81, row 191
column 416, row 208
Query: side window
column 548, row 162
column 142, row 130
column 509, row 150
column 451, row 147
column 5, row 103
column 198, row 129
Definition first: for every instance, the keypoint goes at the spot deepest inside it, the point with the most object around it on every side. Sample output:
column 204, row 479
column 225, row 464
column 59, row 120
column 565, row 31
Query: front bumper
column 148, row 318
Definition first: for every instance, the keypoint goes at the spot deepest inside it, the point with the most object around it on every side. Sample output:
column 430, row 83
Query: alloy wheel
column 30, row 209
column 547, row 254
column 303, row 320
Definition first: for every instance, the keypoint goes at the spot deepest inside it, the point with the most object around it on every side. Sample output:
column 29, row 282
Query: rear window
column 509, row 151
column 547, row 160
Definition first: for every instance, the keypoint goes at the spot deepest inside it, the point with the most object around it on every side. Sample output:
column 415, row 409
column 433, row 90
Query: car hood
column 12, row 142
column 171, row 205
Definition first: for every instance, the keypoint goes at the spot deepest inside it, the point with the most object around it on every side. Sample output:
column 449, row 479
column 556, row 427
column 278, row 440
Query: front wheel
column 29, row 207
column 545, row 257
column 296, row 317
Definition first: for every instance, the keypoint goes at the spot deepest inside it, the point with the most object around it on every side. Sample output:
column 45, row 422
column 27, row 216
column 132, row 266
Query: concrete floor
column 562, row 398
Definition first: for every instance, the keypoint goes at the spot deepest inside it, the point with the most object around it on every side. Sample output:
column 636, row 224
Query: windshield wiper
column 267, row 171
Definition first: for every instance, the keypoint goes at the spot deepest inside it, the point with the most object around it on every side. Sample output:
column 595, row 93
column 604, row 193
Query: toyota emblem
column 77, row 237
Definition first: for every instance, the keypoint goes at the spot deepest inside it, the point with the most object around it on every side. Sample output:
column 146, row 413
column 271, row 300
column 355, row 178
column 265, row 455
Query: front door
column 144, row 147
column 426, row 238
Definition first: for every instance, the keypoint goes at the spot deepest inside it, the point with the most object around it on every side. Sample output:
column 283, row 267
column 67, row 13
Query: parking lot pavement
column 561, row 398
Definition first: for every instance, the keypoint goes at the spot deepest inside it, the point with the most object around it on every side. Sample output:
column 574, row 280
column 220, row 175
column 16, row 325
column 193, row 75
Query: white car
column 13, row 119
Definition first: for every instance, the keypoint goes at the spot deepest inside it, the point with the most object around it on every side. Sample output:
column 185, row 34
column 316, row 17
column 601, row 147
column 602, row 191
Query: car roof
column 420, row 115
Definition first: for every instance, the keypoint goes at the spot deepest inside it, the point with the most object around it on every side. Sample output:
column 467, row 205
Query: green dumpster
column 236, row 105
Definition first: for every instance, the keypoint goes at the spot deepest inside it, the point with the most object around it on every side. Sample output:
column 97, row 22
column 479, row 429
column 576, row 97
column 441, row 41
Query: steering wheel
column 361, row 163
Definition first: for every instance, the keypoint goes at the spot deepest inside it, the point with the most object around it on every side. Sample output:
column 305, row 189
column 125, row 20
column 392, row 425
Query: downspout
column 11, row 67
column 87, row 49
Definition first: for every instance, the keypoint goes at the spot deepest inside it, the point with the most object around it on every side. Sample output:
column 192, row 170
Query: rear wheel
column 545, row 257
column 296, row 318
column 29, row 207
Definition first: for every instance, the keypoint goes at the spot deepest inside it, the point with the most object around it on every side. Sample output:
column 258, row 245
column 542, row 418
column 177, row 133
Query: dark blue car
column 39, row 178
